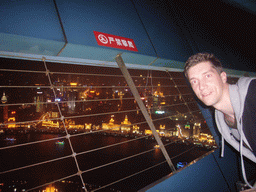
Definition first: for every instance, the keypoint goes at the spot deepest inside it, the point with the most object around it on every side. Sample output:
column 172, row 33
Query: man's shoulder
column 252, row 88
column 253, row 83
column 246, row 85
column 245, row 80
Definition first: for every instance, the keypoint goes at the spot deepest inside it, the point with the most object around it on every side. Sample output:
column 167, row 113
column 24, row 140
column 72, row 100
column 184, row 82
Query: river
column 20, row 156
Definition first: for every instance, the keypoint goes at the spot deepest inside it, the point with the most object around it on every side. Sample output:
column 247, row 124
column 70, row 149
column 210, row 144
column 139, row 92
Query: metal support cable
column 135, row 92
column 117, row 161
column 89, row 100
column 132, row 175
column 79, row 87
column 31, row 143
column 22, row 71
column 156, row 165
column 36, row 164
column 186, row 103
column 68, row 138
column 112, row 145
column 63, row 178
column 80, row 74
column 67, row 156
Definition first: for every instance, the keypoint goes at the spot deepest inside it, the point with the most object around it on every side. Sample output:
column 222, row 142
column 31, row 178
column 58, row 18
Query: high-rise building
column 196, row 130
column 5, row 109
column 111, row 125
column 39, row 99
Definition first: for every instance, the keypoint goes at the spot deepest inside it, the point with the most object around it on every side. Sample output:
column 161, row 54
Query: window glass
column 79, row 126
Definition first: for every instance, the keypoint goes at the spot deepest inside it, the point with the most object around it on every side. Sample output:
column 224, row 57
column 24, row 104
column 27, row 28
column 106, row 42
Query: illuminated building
column 178, row 116
column 162, row 127
column 135, row 129
column 39, row 99
column 49, row 123
column 96, row 127
column 175, row 132
column 126, row 125
column 158, row 100
column 196, row 130
column 72, row 125
column 121, row 94
column 149, row 132
column 203, row 137
column 187, row 126
column 162, row 130
column 55, row 114
column 72, row 96
column 158, row 92
column 179, row 132
column 111, row 125
column 11, row 122
column 88, row 126
column 50, row 188
column 5, row 108
column 210, row 139
column 73, row 84
column 71, row 103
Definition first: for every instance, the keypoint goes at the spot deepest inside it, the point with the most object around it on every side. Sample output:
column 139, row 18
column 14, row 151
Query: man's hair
column 203, row 57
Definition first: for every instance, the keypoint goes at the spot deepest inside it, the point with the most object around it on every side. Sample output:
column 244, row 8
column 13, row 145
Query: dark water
column 21, row 156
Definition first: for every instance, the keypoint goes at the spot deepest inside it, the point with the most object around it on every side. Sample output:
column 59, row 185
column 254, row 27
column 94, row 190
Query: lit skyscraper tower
column 5, row 109
column 39, row 100
column 196, row 130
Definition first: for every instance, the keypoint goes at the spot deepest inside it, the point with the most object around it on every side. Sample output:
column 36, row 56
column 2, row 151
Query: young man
column 235, row 105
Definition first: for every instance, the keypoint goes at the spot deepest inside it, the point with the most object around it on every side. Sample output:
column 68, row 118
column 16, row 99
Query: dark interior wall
column 210, row 174
column 171, row 30
column 203, row 26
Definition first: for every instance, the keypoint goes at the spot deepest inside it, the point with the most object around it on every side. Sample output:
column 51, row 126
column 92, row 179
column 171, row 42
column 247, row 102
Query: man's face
column 207, row 83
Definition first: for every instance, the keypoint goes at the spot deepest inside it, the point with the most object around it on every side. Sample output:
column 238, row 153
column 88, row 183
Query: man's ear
column 223, row 76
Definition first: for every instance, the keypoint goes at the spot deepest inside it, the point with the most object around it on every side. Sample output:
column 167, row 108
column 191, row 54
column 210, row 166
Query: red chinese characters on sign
column 104, row 39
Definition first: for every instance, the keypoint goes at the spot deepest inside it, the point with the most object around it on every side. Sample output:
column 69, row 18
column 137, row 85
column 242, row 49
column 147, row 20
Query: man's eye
column 209, row 75
column 193, row 82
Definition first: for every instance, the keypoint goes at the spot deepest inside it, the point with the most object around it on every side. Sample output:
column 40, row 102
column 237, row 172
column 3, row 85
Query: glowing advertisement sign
column 108, row 40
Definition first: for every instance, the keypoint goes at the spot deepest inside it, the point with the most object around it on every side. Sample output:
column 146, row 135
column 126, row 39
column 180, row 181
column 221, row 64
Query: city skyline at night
column 83, row 94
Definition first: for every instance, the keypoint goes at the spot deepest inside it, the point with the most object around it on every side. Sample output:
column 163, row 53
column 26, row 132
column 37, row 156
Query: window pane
column 65, row 118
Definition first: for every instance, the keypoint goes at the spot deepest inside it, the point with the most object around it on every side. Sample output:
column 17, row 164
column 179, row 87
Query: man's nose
column 202, row 85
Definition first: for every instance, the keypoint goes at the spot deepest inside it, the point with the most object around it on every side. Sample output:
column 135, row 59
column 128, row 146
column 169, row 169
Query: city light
column 50, row 188
column 73, row 84
column 159, row 112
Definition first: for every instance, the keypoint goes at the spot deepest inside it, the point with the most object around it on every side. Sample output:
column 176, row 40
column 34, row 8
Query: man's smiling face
column 207, row 83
